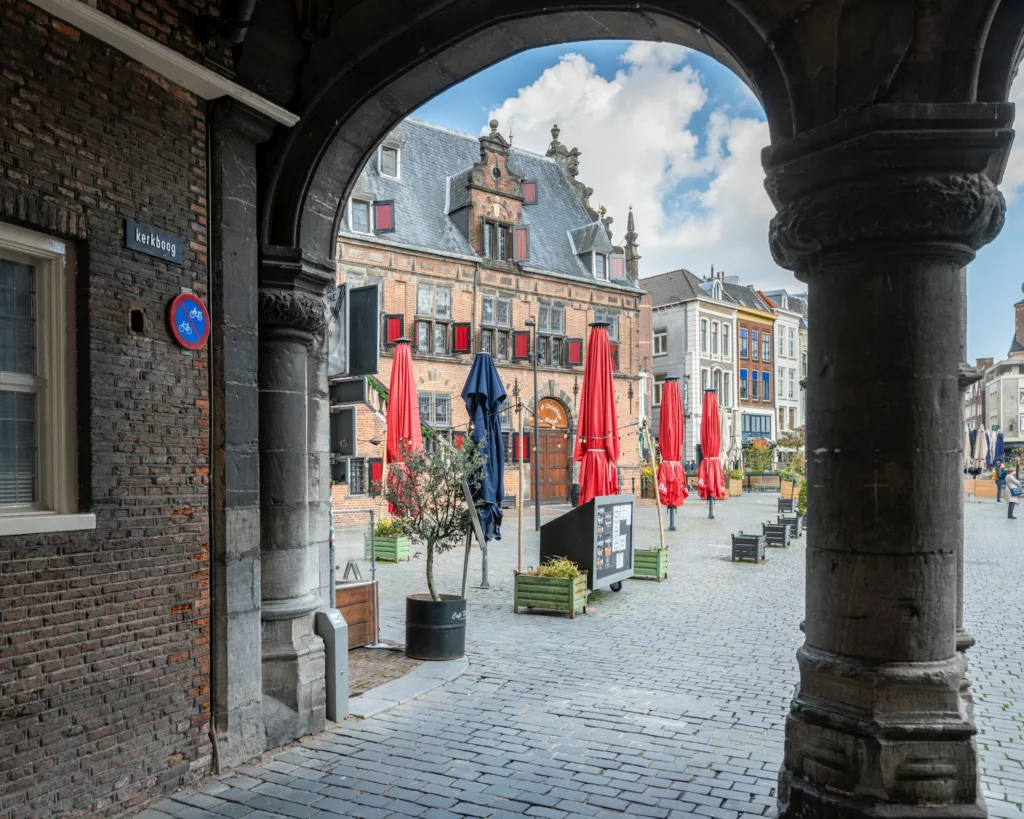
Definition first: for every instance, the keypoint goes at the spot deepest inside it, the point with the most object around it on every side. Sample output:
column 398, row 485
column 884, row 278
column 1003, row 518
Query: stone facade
column 105, row 677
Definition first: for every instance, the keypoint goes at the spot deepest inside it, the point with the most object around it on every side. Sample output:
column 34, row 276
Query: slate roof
column 745, row 296
column 1016, row 346
column 433, row 167
column 674, row 286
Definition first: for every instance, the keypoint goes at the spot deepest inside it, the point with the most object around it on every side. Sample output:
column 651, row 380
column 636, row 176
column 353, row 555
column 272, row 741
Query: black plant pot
column 435, row 630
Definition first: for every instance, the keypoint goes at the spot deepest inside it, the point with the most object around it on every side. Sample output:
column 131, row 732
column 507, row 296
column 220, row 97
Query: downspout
column 232, row 24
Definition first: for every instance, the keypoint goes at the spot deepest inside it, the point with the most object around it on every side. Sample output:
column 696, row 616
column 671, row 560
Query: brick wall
column 104, row 665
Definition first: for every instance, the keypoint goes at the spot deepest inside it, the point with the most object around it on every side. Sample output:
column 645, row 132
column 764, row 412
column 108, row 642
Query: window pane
column 502, row 339
column 501, row 243
column 361, row 217
column 442, row 407
column 542, row 349
column 440, row 337
column 425, row 300
column 425, row 407
column 487, row 341
column 543, row 318
column 443, row 303
column 504, row 312
column 389, row 161
column 488, row 310
column 17, row 317
column 356, row 476
column 600, row 266
column 18, row 456
column 423, row 336
column 488, row 227
column 613, row 328
column 725, row 340
column 556, row 351
column 558, row 320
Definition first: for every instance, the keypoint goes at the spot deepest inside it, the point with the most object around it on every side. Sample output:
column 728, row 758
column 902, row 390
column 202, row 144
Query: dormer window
column 360, row 214
column 601, row 266
column 389, row 161
column 505, row 242
column 716, row 290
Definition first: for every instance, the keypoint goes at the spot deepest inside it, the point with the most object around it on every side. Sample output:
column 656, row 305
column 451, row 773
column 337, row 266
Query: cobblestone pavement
column 666, row 700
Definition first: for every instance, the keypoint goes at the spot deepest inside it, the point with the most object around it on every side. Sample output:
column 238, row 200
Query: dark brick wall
column 104, row 636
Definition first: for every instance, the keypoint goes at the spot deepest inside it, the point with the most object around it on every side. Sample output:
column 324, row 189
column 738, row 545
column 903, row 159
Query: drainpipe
column 232, row 24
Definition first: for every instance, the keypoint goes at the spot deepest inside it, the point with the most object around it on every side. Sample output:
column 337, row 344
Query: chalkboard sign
column 597, row 537
column 613, row 539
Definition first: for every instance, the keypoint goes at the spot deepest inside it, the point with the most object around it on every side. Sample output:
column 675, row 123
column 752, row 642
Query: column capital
column 230, row 115
column 292, row 289
column 890, row 175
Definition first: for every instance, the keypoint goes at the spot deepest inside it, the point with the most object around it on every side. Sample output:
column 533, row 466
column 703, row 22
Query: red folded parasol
column 597, row 447
column 671, row 477
column 404, row 434
column 710, row 480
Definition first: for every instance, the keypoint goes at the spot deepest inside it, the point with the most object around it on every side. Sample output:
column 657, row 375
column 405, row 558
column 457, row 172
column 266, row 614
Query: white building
column 1003, row 387
column 790, row 358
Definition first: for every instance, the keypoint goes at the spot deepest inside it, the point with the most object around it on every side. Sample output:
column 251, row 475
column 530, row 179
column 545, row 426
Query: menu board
column 613, row 539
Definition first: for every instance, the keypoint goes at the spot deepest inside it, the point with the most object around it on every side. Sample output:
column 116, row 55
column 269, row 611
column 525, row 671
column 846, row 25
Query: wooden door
column 553, row 461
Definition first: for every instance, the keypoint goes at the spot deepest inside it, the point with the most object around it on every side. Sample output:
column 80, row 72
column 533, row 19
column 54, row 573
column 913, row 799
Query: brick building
column 469, row 238
column 755, row 325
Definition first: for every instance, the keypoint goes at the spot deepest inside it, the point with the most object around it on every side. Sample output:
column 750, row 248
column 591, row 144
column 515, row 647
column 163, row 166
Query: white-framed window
column 661, row 342
column 659, row 384
column 390, row 161
column 38, row 470
column 716, row 382
column 792, row 382
column 704, row 335
column 601, row 266
column 703, row 381
column 435, row 409
column 782, row 349
column 726, row 347
column 792, row 343
column 360, row 216
column 766, row 347
column 727, row 389
column 714, row 338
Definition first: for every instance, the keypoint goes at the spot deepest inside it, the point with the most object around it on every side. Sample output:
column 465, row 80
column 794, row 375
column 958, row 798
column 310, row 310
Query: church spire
column 632, row 257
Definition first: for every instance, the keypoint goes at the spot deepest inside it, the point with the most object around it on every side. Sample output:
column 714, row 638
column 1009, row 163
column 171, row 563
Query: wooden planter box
column 748, row 547
column 735, row 487
column 789, row 489
column 762, row 482
column 568, row 594
column 985, row 489
column 795, row 523
column 389, row 549
column 969, row 487
column 776, row 534
column 650, row 563
column 357, row 601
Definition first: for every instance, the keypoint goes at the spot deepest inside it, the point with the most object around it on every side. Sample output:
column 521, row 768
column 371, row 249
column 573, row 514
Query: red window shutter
column 618, row 268
column 384, row 217
column 615, row 355
column 521, row 447
column 376, row 470
column 460, row 439
column 462, row 338
column 394, row 328
column 530, row 192
column 574, row 352
column 520, row 345
column 521, row 243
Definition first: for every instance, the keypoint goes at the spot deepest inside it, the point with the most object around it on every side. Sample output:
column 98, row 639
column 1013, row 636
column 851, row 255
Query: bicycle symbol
column 185, row 328
column 196, row 313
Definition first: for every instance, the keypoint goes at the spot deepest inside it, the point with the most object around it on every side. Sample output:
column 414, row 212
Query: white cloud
column 696, row 204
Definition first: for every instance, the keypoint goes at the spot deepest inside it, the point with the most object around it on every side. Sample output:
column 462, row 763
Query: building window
column 659, row 384
column 435, row 409
column 744, row 391
column 703, row 380
column 551, row 323
column 495, row 342
column 530, row 192
column 714, row 338
column 727, row 390
column 792, row 382
column 744, row 351
column 725, row 341
column 782, row 418
column 766, row 347
column 498, row 241
column 613, row 324
column 792, row 343
column 661, row 342
column 360, row 214
column 434, row 302
column 716, row 382
column 704, row 335
column 356, row 476
column 38, row 490
column 756, row 426
column 792, row 418
column 766, row 387
column 496, row 311
column 601, row 266
column 389, row 161
column 754, row 346
column 803, row 364
column 782, row 351
column 754, row 385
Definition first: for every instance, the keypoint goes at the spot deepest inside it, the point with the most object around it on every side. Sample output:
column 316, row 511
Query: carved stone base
column 294, row 702
column 885, row 740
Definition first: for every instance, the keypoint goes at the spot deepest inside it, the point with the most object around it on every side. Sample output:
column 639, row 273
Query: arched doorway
column 553, row 456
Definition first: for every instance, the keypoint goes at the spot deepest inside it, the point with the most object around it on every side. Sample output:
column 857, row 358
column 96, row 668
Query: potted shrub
column 735, row 483
column 651, row 563
column 428, row 496
column 801, row 501
column 391, row 542
column 557, row 585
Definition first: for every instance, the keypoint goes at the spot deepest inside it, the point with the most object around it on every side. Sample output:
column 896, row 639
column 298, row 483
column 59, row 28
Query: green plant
column 647, row 474
column 556, row 567
column 389, row 528
column 736, row 474
column 427, row 495
column 758, row 456
column 801, row 500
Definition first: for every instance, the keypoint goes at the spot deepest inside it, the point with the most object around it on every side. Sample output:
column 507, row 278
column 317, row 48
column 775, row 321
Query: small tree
column 758, row 456
column 427, row 495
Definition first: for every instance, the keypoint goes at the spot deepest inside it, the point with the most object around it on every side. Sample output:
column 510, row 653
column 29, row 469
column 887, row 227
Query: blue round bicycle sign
column 190, row 321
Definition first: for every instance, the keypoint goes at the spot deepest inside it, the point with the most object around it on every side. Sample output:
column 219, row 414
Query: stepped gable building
column 469, row 237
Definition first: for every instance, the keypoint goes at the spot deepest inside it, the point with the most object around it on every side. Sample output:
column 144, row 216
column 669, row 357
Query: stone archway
column 890, row 130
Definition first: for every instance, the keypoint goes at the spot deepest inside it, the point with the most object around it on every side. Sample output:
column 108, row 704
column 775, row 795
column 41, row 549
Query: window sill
column 44, row 522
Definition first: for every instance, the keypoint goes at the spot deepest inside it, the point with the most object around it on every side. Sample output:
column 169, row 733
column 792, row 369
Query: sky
column 678, row 136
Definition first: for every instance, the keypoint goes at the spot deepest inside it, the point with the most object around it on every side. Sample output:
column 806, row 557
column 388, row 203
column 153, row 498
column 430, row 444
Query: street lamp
column 536, row 442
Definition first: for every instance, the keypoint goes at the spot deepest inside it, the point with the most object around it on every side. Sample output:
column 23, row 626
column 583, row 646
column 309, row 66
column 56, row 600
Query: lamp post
column 536, row 441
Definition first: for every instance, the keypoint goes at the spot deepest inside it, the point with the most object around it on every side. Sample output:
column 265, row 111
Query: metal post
column 671, row 518
column 711, row 507
column 536, row 438
column 519, row 403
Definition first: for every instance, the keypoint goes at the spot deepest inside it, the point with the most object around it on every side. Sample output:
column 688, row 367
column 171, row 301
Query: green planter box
column 650, row 563
column 389, row 549
column 568, row 594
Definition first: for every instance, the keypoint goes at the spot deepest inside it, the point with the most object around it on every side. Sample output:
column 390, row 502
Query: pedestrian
column 1013, row 498
column 1000, row 473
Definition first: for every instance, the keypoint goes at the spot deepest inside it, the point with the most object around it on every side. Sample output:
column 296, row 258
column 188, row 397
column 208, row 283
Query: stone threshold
column 419, row 681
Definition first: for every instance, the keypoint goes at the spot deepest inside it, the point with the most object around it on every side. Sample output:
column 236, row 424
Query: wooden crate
column 985, row 488
column 650, row 563
column 388, row 549
column 776, row 534
column 969, row 487
column 795, row 523
column 566, row 594
column 789, row 489
column 735, row 487
column 357, row 600
column 748, row 547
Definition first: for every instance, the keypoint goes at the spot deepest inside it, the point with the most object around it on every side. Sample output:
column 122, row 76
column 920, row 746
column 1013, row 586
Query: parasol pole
column 519, row 505
column 657, row 492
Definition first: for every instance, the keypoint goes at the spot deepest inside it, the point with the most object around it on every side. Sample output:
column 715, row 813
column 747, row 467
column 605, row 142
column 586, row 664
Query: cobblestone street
column 665, row 700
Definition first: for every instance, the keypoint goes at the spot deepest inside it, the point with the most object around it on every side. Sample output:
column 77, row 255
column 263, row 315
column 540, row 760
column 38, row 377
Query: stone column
column 878, row 213
column 292, row 315
column 235, row 132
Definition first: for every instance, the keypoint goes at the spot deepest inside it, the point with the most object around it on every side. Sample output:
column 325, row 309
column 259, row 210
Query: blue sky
column 677, row 136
